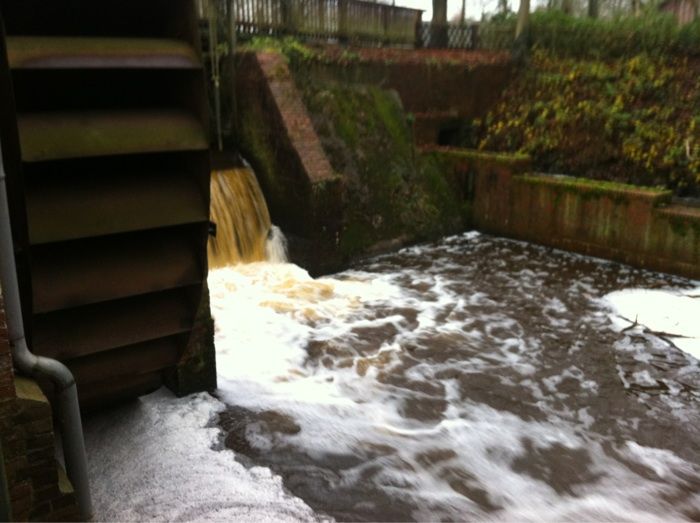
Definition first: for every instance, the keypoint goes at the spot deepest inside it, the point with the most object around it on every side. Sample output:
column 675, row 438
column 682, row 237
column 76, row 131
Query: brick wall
column 38, row 487
column 275, row 133
column 633, row 225
column 436, row 86
column 7, row 384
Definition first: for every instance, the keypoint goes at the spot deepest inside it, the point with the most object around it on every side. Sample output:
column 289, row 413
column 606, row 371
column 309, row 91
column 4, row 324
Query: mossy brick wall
column 629, row 224
column 438, row 88
column 38, row 488
column 275, row 134
column 391, row 194
column 471, row 174
column 613, row 221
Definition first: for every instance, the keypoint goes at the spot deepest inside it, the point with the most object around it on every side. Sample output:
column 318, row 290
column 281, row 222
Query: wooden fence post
column 343, row 20
column 475, row 36
column 418, row 39
column 287, row 15
column 385, row 24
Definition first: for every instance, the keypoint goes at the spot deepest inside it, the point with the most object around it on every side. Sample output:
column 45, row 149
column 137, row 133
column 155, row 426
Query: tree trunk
column 567, row 6
column 635, row 7
column 503, row 6
column 523, row 19
column 438, row 26
column 593, row 8
column 522, row 27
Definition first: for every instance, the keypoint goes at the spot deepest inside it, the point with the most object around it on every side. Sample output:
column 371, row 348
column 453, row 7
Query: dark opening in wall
column 458, row 133
column 449, row 134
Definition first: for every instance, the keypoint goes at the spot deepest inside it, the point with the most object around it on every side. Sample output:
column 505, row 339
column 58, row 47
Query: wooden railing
column 457, row 36
column 345, row 20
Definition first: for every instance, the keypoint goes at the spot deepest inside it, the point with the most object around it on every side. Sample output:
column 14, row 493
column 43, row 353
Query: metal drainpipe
column 38, row 366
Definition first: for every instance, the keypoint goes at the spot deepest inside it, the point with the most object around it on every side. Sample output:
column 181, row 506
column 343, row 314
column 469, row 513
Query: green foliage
column 634, row 120
column 293, row 49
column 655, row 33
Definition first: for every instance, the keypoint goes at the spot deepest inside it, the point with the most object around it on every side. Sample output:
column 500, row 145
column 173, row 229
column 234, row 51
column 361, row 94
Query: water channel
column 472, row 378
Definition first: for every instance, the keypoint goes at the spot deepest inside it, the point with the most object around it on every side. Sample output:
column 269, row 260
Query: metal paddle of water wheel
column 106, row 149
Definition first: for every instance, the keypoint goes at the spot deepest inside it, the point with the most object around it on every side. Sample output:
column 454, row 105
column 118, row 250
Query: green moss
column 682, row 226
column 472, row 154
column 588, row 188
column 255, row 143
column 389, row 190
column 294, row 51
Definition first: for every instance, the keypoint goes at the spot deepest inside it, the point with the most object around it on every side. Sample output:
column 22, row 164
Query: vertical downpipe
column 68, row 409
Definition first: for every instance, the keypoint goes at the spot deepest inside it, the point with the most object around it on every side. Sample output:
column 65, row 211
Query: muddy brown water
column 491, row 385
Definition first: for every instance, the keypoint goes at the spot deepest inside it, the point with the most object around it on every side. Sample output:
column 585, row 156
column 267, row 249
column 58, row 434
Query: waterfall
column 244, row 233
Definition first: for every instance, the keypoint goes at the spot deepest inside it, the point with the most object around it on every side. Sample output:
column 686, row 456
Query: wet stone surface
column 487, row 382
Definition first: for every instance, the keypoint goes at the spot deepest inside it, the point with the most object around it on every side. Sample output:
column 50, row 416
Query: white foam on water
column 674, row 313
column 276, row 246
column 268, row 315
column 154, row 460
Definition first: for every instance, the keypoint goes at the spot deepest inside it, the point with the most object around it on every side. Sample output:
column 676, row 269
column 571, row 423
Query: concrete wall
column 633, row 225
column 38, row 487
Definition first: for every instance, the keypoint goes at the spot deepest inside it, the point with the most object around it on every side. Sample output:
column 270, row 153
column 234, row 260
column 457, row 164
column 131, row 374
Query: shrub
column 634, row 119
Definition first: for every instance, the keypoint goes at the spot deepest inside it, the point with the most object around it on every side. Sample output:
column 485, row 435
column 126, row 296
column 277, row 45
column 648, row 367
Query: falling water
column 472, row 378
column 245, row 233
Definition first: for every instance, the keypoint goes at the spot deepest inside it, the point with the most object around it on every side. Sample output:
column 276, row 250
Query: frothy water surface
column 475, row 378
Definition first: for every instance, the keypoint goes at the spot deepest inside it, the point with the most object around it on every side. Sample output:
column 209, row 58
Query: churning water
column 474, row 378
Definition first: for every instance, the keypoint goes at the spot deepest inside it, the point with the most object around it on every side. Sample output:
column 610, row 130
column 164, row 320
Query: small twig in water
column 663, row 336
column 632, row 324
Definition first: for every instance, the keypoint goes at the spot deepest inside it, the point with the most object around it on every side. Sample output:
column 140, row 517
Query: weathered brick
column 40, row 512
column 49, row 492
column 40, row 441
column 26, row 431
column 63, row 501
column 14, row 447
column 22, row 496
column 41, row 475
column 68, row 513
column 40, row 455
column 13, row 467
column 40, row 425
column 7, row 388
